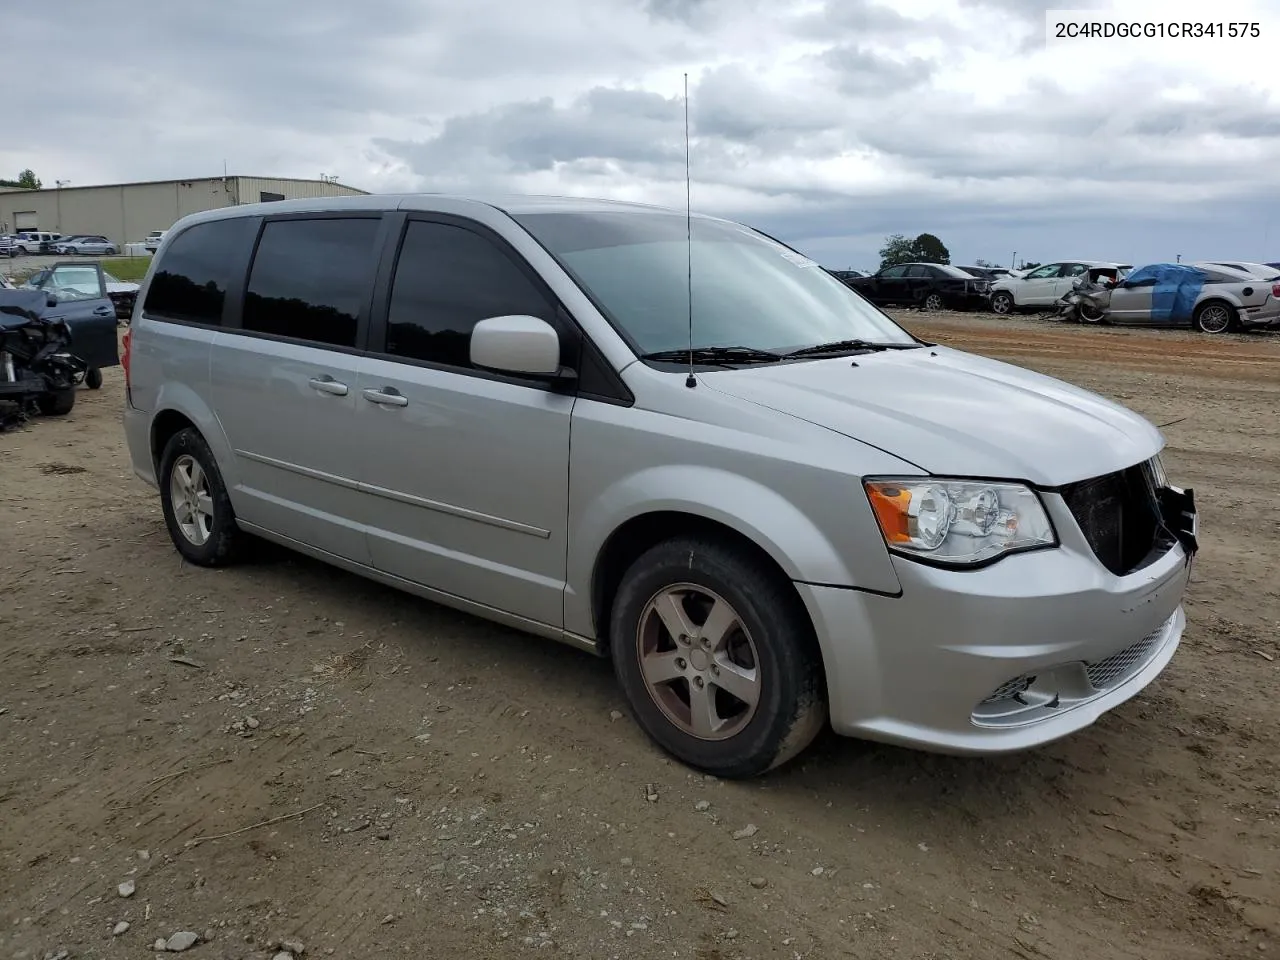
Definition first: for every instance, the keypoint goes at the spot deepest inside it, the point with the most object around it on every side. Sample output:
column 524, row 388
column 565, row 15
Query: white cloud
column 833, row 122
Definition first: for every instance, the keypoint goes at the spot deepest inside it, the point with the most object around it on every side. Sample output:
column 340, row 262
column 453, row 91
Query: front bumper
column 1000, row 659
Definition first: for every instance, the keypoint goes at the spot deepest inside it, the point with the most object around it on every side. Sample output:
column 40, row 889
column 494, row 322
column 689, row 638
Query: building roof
column 153, row 183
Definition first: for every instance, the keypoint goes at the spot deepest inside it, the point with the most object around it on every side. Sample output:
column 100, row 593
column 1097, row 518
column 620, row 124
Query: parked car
column 844, row 276
column 100, row 246
column 986, row 273
column 83, row 302
column 777, row 506
column 1042, row 287
column 1211, row 300
column 933, row 286
column 153, row 240
column 32, row 243
column 1262, row 271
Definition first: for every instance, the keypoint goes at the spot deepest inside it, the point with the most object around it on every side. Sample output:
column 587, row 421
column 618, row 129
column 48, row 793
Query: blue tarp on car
column 1176, row 287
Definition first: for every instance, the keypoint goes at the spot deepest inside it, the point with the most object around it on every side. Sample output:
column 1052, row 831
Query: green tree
column 927, row 248
column 897, row 249
column 28, row 179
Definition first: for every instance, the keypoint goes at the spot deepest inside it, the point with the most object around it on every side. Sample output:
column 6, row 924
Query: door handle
column 104, row 311
column 388, row 397
column 326, row 384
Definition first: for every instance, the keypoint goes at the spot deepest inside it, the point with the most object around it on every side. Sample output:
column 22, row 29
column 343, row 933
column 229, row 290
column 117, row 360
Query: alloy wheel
column 699, row 662
column 192, row 503
column 1214, row 318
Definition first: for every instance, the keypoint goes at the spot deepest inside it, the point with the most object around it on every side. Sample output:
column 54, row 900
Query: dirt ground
column 283, row 751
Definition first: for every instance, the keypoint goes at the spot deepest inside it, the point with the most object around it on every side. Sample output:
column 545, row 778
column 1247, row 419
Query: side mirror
column 522, row 345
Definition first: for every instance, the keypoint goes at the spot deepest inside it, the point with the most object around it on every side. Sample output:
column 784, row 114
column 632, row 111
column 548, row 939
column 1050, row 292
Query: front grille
column 1106, row 673
column 1011, row 688
column 1119, row 515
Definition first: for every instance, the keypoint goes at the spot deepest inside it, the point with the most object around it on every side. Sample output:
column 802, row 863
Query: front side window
column 311, row 279
column 748, row 290
column 447, row 280
column 190, row 281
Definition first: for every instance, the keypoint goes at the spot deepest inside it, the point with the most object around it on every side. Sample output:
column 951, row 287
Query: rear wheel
column 57, row 403
column 717, row 658
column 934, row 301
column 1214, row 317
column 194, row 499
column 93, row 378
column 1002, row 303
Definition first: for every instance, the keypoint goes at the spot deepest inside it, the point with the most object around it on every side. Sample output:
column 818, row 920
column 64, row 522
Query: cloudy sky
column 829, row 123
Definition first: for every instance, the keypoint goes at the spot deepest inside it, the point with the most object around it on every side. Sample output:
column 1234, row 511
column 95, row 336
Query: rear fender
column 182, row 399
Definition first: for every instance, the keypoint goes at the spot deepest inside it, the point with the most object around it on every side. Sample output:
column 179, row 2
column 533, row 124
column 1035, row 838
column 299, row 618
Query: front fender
column 783, row 529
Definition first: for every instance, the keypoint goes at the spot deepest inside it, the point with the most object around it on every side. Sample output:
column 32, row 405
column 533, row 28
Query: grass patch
column 127, row 268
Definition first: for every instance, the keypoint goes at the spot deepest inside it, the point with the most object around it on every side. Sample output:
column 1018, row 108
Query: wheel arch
column 178, row 406
column 1219, row 300
column 642, row 532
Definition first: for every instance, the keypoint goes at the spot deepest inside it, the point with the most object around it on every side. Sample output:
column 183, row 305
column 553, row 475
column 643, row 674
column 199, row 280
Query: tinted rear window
column 311, row 279
column 190, row 282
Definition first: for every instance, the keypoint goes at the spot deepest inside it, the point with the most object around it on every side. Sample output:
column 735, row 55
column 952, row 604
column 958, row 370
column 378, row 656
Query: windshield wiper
column 715, row 355
column 837, row 347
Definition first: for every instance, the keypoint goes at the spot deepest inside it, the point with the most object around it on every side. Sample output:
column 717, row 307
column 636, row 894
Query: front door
column 285, row 382
column 1131, row 304
column 81, row 292
column 891, row 285
column 467, row 472
column 1039, row 287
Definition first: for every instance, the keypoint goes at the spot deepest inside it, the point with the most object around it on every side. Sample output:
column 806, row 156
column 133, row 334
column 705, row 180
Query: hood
column 121, row 286
column 955, row 413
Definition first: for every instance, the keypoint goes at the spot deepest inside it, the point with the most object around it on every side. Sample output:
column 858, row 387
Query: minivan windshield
column 748, row 291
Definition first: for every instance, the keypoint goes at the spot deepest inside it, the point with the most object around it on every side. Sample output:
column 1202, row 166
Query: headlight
column 961, row 522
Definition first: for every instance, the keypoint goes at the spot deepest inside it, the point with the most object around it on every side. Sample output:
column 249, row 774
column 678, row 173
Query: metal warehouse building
column 127, row 212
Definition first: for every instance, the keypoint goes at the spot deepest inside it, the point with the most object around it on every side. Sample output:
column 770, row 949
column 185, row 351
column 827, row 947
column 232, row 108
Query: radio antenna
column 690, row 381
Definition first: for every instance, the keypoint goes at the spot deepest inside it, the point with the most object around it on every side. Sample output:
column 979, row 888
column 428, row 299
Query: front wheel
column 1090, row 313
column 1002, row 303
column 717, row 658
column 57, row 403
column 194, row 500
column 1214, row 318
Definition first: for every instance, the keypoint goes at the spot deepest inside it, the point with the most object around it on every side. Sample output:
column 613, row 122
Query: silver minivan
column 673, row 441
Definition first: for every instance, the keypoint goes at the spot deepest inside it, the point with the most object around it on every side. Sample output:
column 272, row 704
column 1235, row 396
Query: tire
column 1090, row 314
column 211, row 537
column 93, row 378
column 58, row 403
column 1214, row 317
column 771, row 644
column 110, row 252
column 934, row 301
column 1002, row 303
